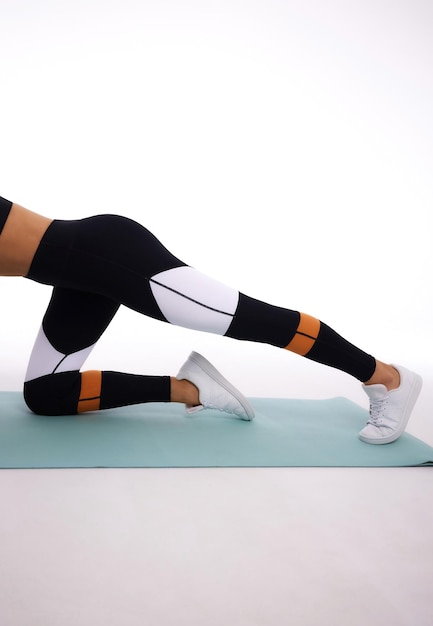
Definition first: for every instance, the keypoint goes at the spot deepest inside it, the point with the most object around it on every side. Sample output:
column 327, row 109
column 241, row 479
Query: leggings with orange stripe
column 98, row 263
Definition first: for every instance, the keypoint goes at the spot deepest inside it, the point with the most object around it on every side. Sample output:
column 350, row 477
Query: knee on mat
column 54, row 394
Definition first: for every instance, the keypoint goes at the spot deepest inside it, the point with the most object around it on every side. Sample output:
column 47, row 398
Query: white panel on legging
column 45, row 359
column 193, row 300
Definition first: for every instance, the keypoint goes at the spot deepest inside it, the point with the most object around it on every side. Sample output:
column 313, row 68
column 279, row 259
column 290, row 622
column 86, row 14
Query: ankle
column 385, row 374
column 183, row 391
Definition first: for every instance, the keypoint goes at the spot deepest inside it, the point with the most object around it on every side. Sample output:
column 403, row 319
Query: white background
column 285, row 148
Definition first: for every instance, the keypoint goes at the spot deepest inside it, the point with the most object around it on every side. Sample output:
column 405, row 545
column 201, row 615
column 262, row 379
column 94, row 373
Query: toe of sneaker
column 374, row 434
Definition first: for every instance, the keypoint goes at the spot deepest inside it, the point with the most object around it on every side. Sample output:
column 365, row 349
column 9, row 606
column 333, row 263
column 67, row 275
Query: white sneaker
column 215, row 392
column 390, row 410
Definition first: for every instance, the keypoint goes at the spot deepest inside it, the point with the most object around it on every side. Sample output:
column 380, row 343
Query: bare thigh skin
column 19, row 242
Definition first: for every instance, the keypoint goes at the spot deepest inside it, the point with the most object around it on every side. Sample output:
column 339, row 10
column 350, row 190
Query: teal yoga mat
column 285, row 433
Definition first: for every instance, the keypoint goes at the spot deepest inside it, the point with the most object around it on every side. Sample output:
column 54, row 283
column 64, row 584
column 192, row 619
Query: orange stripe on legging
column 90, row 394
column 305, row 336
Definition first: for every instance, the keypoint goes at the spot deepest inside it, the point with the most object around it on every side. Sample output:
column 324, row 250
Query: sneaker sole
column 219, row 378
column 412, row 398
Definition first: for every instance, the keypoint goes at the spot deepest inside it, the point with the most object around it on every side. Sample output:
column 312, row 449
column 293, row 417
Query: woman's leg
column 122, row 261
column 54, row 384
column 73, row 323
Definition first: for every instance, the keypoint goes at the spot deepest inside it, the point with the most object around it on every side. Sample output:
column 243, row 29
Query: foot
column 390, row 410
column 215, row 392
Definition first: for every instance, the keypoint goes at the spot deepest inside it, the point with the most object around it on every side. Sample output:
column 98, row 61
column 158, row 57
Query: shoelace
column 377, row 408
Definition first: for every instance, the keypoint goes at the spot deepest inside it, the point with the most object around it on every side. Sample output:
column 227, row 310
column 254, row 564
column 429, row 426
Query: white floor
column 211, row 547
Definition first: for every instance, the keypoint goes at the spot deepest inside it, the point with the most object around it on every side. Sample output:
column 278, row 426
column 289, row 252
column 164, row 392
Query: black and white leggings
column 98, row 263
